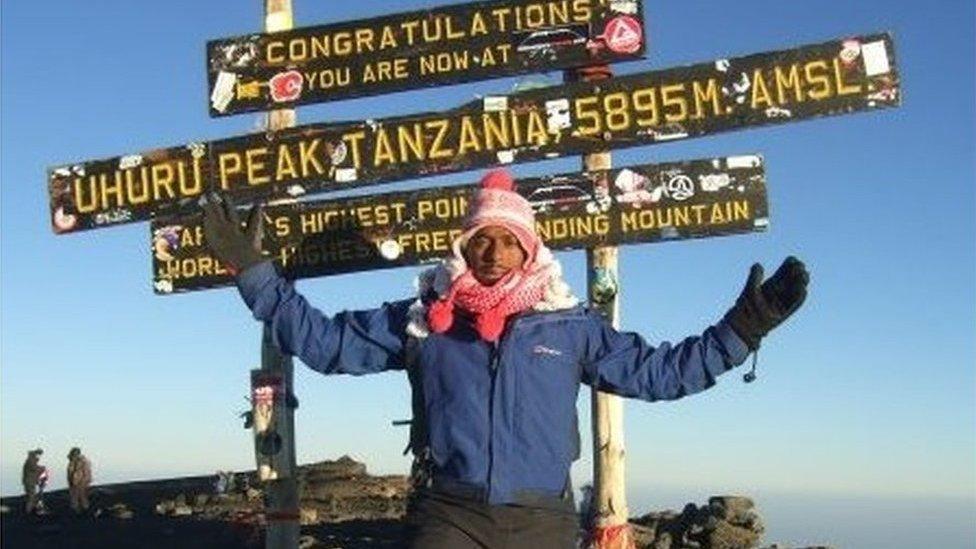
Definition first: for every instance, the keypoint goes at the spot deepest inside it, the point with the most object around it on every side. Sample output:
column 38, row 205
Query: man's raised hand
column 235, row 246
column 764, row 305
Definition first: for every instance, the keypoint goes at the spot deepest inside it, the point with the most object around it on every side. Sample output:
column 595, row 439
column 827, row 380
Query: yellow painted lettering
column 272, row 52
column 228, row 163
column 710, row 93
column 382, row 151
column 496, row 131
column 307, row 159
column 282, row 226
column 135, row 196
column 162, row 176
column 673, row 95
column 819, row 80
column 478, row 24
column 842, row 87
column 760, row 93
column 469, row 137
column 255, row 164
column 437, row 149
column 342, row 43
column 286, row 165
column 355, row 141
column 788, row 81
column 364, row 40
column 586, row 111
column 387, row 38
column 536, row 133
column 411, row 141
column 645, row 102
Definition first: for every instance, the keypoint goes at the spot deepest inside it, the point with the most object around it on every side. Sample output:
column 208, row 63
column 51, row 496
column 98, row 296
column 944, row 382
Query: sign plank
column 838, row 77
column 648, row 203
column 432, row 47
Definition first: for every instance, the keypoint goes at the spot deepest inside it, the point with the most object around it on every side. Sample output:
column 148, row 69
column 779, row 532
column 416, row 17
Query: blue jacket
column 501, row 417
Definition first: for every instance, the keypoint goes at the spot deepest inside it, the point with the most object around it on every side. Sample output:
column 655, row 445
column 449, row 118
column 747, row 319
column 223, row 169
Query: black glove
column 760, row 308
column 235, row 247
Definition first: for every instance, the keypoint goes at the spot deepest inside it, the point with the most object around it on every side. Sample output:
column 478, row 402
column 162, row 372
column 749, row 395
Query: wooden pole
column 609, row 529
column 281, row 493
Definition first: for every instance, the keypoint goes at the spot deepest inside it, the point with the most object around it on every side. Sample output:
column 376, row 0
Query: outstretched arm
column 624, row 363
column 353, row 342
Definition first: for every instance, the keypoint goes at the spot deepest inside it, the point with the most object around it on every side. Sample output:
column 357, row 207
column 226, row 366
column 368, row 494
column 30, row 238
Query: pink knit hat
column 497, row 204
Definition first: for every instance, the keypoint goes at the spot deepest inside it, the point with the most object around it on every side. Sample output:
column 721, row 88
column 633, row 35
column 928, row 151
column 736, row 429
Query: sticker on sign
column 286, row 86
column 623, row 34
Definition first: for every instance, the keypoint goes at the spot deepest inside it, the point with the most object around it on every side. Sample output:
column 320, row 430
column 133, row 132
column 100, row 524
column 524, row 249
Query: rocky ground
column 342, row 506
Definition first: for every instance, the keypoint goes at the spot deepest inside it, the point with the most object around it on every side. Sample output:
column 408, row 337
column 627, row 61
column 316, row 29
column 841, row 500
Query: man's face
column 492, row 252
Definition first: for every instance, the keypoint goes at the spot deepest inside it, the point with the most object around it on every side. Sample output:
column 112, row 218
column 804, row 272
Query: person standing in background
column 79, row 479
column 31, row 478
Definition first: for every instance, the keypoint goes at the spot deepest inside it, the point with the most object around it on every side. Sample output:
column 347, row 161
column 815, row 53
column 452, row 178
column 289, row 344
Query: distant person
column 41, row 485
column 495, row 346
column 31, row 477
column 79, row 480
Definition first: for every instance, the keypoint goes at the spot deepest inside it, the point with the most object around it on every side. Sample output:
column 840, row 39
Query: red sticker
column 286, row 86
column 623, row 34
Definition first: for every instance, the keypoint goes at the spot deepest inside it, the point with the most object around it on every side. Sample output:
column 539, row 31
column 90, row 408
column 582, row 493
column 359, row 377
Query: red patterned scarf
column 517, row 291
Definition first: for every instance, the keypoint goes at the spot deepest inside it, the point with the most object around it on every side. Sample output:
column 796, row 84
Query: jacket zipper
column 493, row 364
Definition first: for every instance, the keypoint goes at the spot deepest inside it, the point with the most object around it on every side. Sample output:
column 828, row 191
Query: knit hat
column 497, row 204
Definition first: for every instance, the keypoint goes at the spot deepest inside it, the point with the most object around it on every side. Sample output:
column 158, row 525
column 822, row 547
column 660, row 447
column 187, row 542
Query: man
column 79, row 479
column 31, row 479
column 496, row 346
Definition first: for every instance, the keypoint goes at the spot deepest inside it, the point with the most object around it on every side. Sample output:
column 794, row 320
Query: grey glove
column 236, row 247
column 760, row 308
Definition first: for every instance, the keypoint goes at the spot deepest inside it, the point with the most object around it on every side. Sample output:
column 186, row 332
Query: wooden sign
column 649, row 203
column 839, row 77
column 432, row 47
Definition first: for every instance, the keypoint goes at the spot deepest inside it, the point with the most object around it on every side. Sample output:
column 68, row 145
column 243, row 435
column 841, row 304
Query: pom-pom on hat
column 497, row 204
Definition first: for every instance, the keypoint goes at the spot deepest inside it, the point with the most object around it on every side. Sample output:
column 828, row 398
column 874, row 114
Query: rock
column 727, row 536
column 731, row 505
column 643, row 535
column 182, row 511
column 662, row 542
column 308, row 516
column 225, row 499
column 305, row 542
column 120, row 511
column 342, row 490
column 726, row 522
column 253, row 494
column 344, row 467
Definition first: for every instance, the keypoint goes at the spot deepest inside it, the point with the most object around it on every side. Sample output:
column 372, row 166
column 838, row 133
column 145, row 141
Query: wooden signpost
column 837, row 77
column 273, row 384
column 597, row 209
column 431, row 47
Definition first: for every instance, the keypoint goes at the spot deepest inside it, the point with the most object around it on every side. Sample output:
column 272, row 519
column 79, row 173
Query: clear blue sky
column 868, row 391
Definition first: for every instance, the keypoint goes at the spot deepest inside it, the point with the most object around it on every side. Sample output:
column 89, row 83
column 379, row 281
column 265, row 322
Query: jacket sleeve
column 351, row 342
column 623, row 363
